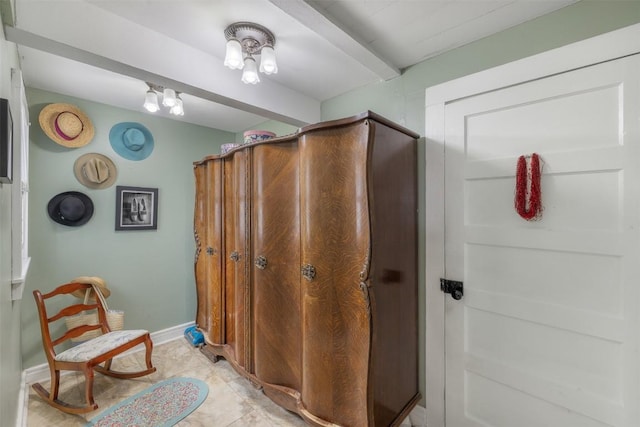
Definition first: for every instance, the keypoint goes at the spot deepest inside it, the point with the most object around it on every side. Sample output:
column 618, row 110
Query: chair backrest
column 99, row 321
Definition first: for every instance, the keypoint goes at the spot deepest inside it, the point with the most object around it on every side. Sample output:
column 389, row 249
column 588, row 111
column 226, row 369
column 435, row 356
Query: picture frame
column 136, row 208
column 6, row 142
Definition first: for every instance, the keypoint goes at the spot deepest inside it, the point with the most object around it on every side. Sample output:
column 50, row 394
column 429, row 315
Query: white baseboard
column 23, row 401
column 418, row 416
column 169, row 334
column 41, row 372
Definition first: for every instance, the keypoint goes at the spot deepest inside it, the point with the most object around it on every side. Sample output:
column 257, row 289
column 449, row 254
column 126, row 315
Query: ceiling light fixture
column 177, row 109
column 151, row 101
column 170, row 99
column 244, row 40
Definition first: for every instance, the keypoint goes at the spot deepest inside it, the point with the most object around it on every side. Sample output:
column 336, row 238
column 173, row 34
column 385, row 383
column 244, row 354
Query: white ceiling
column 105, row 50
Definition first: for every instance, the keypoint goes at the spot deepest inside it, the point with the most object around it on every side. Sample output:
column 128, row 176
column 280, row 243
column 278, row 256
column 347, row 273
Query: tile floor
column 232, row 400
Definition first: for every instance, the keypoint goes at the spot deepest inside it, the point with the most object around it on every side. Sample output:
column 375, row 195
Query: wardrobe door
column 335, row 256
column 236, row 297
column 276, row 255
column 208, row 262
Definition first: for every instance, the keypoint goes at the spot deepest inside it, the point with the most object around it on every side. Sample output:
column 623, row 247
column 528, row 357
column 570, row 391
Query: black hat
column 71, row 208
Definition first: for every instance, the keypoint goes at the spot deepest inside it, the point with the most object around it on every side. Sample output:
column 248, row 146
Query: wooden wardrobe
column 306, row 268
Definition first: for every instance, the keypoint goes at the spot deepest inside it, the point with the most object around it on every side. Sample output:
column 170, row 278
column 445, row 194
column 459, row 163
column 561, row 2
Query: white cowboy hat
column 95, row 170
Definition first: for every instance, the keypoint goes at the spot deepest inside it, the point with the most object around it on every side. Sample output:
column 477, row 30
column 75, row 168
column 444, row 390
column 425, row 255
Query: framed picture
column 136, row 208
column 6, row 142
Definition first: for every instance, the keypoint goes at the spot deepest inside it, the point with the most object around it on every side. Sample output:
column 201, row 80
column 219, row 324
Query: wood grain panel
column 201, row 268
column 214, row 237
column 335, row 240
column 208, row 263
column 235, row 229
column 276, row 287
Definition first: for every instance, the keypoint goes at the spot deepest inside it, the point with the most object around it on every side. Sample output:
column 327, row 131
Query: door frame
column 606, row 47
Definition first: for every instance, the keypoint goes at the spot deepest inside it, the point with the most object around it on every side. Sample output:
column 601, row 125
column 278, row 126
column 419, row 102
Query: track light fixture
column 170, row 99
column 246, row 40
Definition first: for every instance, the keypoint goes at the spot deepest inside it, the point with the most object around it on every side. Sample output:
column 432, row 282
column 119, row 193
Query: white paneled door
column 547, row 331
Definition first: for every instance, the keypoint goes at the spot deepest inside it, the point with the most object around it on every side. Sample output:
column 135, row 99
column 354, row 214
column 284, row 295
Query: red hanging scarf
column 528, row 202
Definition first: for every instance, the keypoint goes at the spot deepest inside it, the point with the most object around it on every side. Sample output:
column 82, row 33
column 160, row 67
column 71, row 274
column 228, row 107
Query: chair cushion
column 99, row 345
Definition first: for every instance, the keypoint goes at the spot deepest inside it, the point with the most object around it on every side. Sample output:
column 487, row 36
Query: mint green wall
column 10, row 361
column 150, row 273
column 403, row 99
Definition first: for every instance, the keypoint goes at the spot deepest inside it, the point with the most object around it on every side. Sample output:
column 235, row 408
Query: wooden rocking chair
column 86, row 356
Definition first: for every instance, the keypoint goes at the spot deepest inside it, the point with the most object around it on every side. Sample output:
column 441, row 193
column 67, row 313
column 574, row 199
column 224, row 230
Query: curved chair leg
column 88, row 387
column 107, row 364
column 148, row 348
column 55, row 383
column 49, row 396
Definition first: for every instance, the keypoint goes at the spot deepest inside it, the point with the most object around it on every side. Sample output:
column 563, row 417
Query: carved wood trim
column 198, row 245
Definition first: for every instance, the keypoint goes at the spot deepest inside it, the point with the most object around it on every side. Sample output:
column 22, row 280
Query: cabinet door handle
column 211, row 251
column 261, row 262
column 235, row 256
column 308, row 272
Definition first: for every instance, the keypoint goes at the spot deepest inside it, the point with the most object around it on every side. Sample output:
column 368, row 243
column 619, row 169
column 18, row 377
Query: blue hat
column 131, row 140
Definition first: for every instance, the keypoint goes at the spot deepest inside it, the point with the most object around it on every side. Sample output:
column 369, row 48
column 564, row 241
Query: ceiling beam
column 329, row 29
column 28, row 39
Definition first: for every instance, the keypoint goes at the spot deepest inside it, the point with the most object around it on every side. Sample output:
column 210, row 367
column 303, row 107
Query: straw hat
column 91, row 280
column 131, row 140
column 70, row 208
column 95, row 170
column 66, row 125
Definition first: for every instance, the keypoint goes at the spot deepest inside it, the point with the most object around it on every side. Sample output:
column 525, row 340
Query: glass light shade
column 178, row 108
column 268, row 63
column 250, row 73
column 168, row 97
column 233, row 57
column 151, row 101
